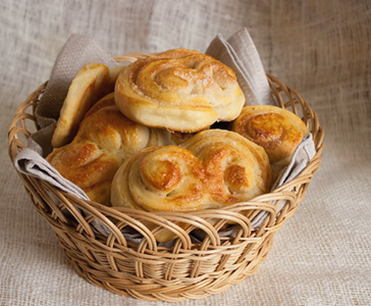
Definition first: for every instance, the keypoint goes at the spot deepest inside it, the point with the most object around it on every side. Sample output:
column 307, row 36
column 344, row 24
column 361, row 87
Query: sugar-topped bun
column 104, row 139
column 180, row 90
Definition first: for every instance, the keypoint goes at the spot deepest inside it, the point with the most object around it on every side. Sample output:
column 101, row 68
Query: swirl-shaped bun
column 277, row 130
column 105, row 138
column 181, row 90
column 168, row 178
column 211, row 169
column 236, row 169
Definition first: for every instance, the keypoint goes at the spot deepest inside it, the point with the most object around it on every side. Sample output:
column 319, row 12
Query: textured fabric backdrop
column 321, row 48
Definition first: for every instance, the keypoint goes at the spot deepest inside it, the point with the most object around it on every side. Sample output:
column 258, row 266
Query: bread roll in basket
column 104, row 139
column 212, row 248
column 182, row 90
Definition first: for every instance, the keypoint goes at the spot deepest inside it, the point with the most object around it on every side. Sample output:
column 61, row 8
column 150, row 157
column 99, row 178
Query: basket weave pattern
column 186, row 269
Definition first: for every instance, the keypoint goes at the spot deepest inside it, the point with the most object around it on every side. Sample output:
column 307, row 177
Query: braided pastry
column 180, row 90
column 105, row 138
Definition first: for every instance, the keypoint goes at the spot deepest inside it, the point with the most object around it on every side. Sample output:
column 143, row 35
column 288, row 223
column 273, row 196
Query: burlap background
column 321, row 48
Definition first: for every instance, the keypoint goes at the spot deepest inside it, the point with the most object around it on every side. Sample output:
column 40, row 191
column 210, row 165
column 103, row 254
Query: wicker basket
column 187, row 269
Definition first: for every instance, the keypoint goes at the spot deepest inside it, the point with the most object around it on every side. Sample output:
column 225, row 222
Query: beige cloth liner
column 320, row 48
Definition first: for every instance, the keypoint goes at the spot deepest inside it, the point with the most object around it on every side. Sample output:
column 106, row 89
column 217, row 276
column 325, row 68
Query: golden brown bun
column 104, row 139
column 236, row 168
column 86, row 165
column 180, row 90
column 168, row 178
column 86, row 88
column 277, row 130
column 211, row 169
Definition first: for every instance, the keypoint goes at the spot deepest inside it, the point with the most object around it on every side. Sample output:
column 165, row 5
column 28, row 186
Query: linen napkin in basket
column 239, row 52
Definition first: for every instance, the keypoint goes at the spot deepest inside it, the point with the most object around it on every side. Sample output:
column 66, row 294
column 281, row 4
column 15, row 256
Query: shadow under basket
column 187, row 268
